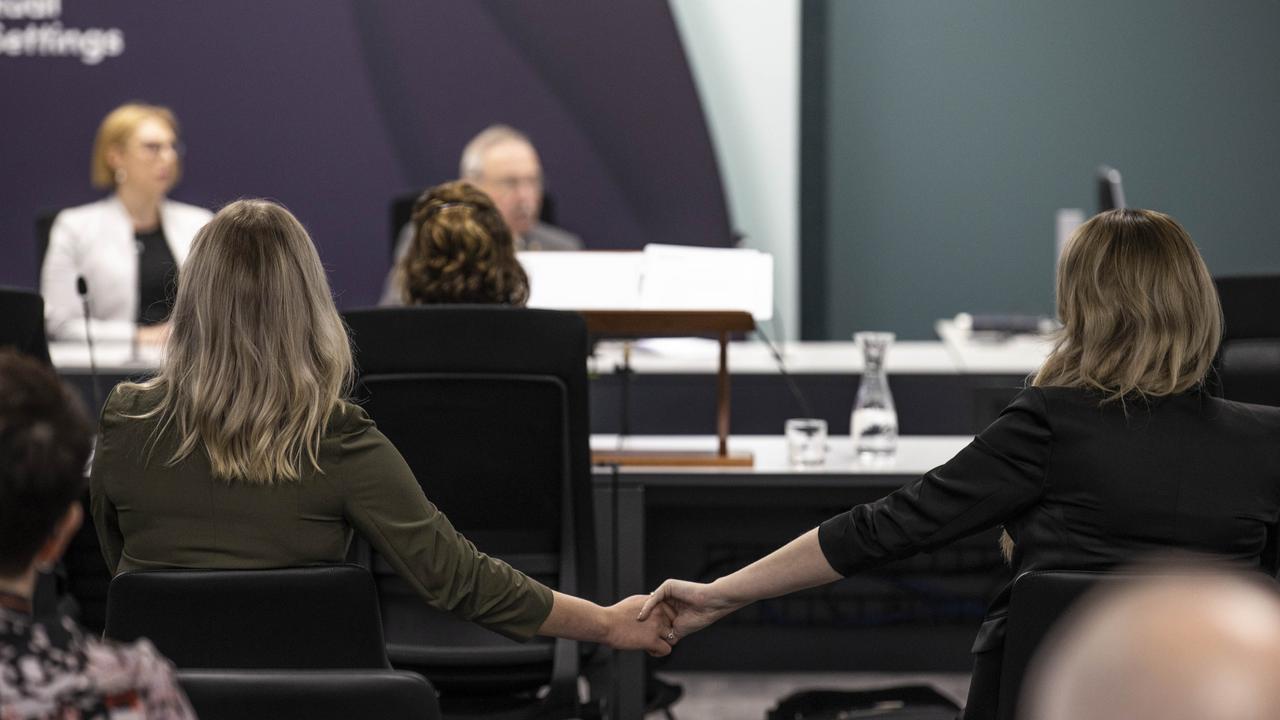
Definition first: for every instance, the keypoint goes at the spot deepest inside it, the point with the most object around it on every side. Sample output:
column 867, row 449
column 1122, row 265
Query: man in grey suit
column 503, row 163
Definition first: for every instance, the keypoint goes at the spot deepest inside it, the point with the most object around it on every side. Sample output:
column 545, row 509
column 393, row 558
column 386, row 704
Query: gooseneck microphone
column 82, row 287
column 796, row 392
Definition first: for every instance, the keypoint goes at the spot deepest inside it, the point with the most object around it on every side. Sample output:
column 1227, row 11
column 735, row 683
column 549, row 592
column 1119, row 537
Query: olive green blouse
column 151, row 514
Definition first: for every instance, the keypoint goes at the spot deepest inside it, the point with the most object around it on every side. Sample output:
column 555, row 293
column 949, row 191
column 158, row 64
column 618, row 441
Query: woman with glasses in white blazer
column 127, row 246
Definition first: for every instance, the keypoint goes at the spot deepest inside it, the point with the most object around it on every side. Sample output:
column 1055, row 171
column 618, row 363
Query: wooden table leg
column 722, row 396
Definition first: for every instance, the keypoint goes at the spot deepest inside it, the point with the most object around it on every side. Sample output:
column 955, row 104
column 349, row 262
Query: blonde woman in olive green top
column 242, row 453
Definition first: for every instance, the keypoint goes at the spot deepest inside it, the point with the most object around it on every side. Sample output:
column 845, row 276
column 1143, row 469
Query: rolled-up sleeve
column 995, row 478
column 385, row 503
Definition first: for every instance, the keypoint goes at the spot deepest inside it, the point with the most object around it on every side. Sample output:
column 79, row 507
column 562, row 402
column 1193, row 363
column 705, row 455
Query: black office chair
column 321, row 617
column 22, row 323
column 1038, row 600
column 1248, row 362
column 401, row 209
column 44, row 228
column 488, row 405
column 309, row 695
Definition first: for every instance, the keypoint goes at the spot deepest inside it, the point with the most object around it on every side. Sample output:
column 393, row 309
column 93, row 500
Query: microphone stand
column 82, row 287
column 137, row 301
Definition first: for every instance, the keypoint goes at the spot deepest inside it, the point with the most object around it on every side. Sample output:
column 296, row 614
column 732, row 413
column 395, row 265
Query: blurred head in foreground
column 1195, row 645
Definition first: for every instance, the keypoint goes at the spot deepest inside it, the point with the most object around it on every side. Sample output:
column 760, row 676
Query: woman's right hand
column 696, row 605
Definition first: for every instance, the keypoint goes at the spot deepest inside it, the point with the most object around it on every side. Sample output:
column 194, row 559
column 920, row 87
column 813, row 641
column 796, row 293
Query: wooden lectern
column 630, row 324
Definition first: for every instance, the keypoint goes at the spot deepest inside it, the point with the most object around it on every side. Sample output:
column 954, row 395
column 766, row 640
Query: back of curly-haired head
column 462, row 251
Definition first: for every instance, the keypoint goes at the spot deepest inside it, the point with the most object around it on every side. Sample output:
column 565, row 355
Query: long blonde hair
column 1139, row 311
column 257, row 358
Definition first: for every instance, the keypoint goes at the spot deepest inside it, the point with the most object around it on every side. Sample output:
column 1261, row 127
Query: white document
column 662, row 277
column 678, row 277
column 582, row 280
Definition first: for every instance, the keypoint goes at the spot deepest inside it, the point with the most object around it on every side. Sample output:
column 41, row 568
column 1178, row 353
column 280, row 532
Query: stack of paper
column 661, row 277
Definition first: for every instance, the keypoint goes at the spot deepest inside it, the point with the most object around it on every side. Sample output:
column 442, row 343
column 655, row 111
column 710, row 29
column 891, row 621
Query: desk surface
column 956, row 354
column 917, row 454
column 1012, row 355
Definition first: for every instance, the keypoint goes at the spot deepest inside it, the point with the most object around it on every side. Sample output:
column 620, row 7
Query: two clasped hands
column 655, row 622
column 679, row 608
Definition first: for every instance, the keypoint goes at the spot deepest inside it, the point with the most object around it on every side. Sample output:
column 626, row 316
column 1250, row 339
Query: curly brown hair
column 462, row 251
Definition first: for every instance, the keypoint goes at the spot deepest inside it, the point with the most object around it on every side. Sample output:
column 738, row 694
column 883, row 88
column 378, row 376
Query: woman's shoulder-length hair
column 1139, row 310
column 257, row 359
column 462, row 251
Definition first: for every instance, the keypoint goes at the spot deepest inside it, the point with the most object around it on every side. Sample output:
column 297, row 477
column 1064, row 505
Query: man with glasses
column 503, row 163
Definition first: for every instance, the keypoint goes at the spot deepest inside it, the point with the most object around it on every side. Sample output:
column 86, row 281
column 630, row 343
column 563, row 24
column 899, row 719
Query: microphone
column 82, row 287
column 796, row 392
column 137, row 298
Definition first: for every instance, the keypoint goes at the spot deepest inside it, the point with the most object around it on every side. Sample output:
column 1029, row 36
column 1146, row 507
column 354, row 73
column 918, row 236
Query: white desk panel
column 112, row 357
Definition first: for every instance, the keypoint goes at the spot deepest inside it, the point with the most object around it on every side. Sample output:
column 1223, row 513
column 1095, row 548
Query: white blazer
column 97, row 241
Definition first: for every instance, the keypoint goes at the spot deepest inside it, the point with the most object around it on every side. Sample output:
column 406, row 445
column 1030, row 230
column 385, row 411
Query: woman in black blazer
column 1113, row 452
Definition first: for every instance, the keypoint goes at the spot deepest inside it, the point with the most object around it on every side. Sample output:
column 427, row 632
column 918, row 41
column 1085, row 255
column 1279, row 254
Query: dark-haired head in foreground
column 44, row 444
column 48, row 666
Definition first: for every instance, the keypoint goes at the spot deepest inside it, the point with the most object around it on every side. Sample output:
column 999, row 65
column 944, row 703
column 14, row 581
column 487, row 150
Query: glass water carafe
column 875, row 420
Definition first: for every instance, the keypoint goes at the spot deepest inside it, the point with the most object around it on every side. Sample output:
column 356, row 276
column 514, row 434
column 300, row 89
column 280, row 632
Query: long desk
column 699, row 523
column 672, row 393
column 950, row 387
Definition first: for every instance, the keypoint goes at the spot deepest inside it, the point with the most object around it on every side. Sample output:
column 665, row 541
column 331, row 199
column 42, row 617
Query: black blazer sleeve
column 996, row 477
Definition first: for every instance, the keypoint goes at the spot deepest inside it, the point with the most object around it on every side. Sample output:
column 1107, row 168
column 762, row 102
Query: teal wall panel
column 955, row 130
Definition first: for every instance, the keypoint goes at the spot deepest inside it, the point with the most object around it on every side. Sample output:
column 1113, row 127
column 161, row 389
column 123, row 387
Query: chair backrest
column 22, row 323
column 401, row 210
column 488, row 405
column 1248, row 363
column 309, row 695
column 1038, row 600
column 324, row 616
column 44, row 228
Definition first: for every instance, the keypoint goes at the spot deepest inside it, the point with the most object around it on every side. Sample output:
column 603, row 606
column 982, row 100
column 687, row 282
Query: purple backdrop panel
column 626, row 81
column 335, row 107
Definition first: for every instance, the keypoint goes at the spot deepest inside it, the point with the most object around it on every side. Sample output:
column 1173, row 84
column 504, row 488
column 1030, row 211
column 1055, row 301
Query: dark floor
column 748, row 696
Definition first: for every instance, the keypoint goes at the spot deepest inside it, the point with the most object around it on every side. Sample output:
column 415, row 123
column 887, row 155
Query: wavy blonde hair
column 1139, row 311
column 257, row 358
column 462, row 251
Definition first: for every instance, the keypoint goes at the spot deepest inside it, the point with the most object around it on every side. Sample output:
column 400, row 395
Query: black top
column 1084, row 486
column 157, row 277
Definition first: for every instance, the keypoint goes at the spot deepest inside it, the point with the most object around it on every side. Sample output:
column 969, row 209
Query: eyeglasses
column 512, row 184
column 153, row 150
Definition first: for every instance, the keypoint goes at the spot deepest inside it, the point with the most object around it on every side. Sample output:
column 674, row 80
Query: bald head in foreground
column 1202, row 645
